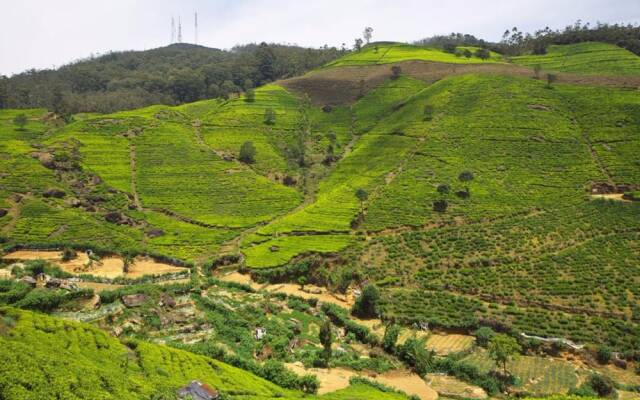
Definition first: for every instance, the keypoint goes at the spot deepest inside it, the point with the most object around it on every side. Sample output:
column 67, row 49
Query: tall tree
column 503, row 348
column 326, row 339
column 266, row 63
column 367, row 34
column 362, row 195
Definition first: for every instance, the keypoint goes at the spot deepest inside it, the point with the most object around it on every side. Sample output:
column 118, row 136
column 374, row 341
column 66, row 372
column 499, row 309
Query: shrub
column 390, row 338
column 247, row 153
column 484, row 335
column 603, row 354
column 440, row 205
column 395, row 72
column 269, row 116
column 366, row 305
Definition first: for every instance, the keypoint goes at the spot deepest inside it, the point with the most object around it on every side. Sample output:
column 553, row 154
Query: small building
column 197, row 390
column 260, row 333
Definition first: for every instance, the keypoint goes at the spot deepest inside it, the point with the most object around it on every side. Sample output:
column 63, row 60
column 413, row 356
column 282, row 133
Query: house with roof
column 197, row 390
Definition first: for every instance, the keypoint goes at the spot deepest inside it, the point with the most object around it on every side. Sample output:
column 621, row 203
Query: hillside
column 174, row 74
column 585, row 58
column 90, row 364
column 469, row 193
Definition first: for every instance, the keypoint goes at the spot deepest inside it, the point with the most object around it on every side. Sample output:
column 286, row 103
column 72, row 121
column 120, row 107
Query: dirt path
column 108, row 267
column 132, row 167
column 611, row 196
column 13, row 213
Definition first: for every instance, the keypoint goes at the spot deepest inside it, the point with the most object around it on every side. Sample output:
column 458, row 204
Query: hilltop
column 468, row 190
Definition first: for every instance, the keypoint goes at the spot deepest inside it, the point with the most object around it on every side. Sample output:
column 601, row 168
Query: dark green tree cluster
column 169, row 75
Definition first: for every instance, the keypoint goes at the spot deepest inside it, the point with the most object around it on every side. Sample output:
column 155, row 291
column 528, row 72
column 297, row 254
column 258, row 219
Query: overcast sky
column 48, row 33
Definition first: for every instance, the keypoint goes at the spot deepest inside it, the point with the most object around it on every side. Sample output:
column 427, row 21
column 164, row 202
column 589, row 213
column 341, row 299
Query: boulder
column 134, row 300
column 53, row 192
column 154, row 233
column 3, row 212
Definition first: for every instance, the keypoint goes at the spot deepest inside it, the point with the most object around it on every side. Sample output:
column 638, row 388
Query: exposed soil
column 344, row 85
column 108, row 267
column 611, row 196
column 338, row 378
column 448, row 386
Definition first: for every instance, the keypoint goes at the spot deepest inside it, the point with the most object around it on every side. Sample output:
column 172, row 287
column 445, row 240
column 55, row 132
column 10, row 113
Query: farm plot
column 386, row 53
column 176, row 174
column 539, row 375
column 279, row 250
column 449, row 343
column 585, row 58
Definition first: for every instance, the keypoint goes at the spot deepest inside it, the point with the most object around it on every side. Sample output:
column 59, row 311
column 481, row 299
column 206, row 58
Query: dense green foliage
column 169, row 75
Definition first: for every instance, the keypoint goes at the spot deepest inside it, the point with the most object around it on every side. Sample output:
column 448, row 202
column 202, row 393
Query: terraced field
column 91, row 364
column 585, row 58
column 387, row 53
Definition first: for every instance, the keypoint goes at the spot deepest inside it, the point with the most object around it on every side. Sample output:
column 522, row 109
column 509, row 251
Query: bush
column 602, row 385
column 603, row 354
column 484, row 335
column 440, row 205
column 366, row 305
column 247, row 153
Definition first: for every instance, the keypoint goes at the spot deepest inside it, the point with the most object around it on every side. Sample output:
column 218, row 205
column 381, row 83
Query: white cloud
column 44, row 33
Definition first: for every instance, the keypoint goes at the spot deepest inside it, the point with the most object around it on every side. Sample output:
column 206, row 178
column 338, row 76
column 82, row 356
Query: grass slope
column 585, row 58
column 387, row 53
column 90, row 364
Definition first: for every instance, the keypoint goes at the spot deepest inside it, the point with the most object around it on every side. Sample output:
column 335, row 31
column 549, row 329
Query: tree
column 247, row 153
column 449, row 48
column 250, row 96
column 503, row 348
column 68, row 254
column 414, row 352
column 484, row 336
column 536, row 71
column 396, row 70
column 266, row 62
column 602, row 385
column 604, row 354
column 362, row 195
column 428, row 112
column 368, row 32
column 20, row 121
column 390, row 337
column 483, row 54
column 326, row 338
column 357, row 44
column 269, row 116
column 302, row 281
column 366, row 305
column 443, row 188
column 551, row 78
column 440, row 205
column 464, row 177
column 467, row 53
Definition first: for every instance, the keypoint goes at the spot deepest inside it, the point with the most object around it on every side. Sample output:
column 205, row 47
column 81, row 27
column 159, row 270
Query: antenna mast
column 196, row 27
column 173, row 30
column 179, row 30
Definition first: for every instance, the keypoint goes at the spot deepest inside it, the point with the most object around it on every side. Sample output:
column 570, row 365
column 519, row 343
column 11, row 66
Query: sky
column 46, row 34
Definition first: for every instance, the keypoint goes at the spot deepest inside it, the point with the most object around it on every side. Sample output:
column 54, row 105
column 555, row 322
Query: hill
column 90, row 364
column 386, row 53
column 469, row 193
column 170, row 75
column 585, row 58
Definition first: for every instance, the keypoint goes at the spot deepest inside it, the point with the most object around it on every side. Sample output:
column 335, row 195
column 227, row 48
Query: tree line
column 170, row 75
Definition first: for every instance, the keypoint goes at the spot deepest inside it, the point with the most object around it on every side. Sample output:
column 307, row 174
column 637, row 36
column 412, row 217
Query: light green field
column 387, row 53
column 539, row 376
column 585, row 58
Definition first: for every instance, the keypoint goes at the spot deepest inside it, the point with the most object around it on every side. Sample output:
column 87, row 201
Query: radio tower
column 173, row 30
column 196, row 27
column 179, row 30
